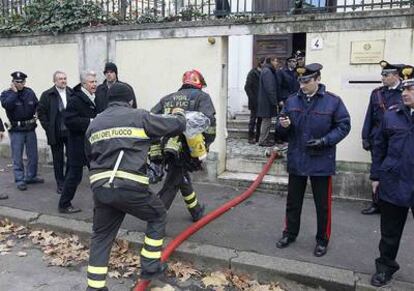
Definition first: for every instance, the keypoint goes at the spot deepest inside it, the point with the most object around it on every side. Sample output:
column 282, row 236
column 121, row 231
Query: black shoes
column 380, row 279
column 35, row 180
column 94, row 289
column 4, row 196
column 152, row 275
column 320, row 250
column 199, row 214
column 266, row 144
column 284, row 242
column 22, row 186
column 372, row 209
column 69, row 210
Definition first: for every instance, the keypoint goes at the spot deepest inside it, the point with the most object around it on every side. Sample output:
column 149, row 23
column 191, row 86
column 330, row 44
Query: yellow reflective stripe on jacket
column 150, row 255
column 96, row 284
column 118, row 132
column 97, row 270
column 192, row 205
column 211, row 130
column 189, row 197
column 153, row 242
column 119, row 174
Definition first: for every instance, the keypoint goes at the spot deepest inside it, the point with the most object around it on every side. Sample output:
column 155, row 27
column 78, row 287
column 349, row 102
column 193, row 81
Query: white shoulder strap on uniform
column 118, row 162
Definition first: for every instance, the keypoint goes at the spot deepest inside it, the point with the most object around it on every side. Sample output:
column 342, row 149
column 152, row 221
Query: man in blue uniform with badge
column 21, row 103
column 313, row 121
column 393, row 167
column 382, row 98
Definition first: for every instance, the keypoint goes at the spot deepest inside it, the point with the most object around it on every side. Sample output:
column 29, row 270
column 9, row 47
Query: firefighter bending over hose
column 182, row 154
column 117, row 144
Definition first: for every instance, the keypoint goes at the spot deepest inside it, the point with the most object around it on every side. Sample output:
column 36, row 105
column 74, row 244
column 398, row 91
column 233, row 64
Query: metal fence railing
column 187, row 10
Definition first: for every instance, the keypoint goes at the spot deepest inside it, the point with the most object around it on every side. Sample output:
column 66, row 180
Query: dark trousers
column 374, row 195
column 19, row 140
column 254, row 125
column 393, row 220
column 179, row 179
column 110, row 207
column 322, row 196
column 58, row 155
column 72, row 181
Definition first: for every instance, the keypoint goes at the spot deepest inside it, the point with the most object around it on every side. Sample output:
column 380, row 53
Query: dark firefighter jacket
column 325, row 117
column 101, row 99
column 121, row 127
column 393, row 158
column 190, row 99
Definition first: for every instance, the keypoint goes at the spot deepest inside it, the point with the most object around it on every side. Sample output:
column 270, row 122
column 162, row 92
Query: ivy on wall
column 59, row 16
column 51, row 16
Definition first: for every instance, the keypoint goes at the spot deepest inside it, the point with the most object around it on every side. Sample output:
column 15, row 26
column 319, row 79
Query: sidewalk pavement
column 243, row 238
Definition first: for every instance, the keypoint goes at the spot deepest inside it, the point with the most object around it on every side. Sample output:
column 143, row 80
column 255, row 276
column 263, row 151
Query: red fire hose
column 143, row 284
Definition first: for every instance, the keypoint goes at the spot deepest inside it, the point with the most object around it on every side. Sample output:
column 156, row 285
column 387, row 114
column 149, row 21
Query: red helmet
column 194, row 78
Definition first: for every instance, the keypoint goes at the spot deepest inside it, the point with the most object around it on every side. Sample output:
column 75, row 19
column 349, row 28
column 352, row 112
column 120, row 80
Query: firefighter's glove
column 317, row 143
column 155, row 153
column 366, row 145
column 172, row 148
column 191, row 164
column 155, row 172
column 178, row 111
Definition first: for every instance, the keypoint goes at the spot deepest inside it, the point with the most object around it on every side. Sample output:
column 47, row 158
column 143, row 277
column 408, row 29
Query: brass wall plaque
column 367, row 52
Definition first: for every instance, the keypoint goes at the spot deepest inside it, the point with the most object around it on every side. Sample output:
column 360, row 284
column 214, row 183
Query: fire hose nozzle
column 279, row 149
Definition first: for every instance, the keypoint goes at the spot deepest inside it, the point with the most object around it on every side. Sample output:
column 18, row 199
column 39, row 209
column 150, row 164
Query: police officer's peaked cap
column 120, row 92
column 18, row 76
column 292, row 57
column 111, row 67
column 407, row 72
column 390, row 68
column 307, row 72
column 300, row 54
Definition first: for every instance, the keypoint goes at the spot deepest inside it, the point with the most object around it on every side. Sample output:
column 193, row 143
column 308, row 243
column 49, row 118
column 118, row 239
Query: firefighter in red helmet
column 175, row 152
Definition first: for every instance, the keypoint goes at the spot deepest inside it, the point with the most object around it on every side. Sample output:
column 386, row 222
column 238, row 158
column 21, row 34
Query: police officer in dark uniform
column 313, row 121
column 382, row 98
column 288, row 78
column 189, row 97
column 21, row 103
column 117, row 144
column 2, row 195
column 393, row 167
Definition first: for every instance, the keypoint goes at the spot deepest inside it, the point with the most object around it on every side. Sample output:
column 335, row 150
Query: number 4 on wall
column 317, row 43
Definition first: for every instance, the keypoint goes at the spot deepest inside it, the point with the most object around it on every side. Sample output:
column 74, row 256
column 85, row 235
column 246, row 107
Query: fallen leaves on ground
column 215, row 279
column 67, row 250
column 8, row 232
column 183, row 271
column 59, row 250
column 167, row 287
column 219, row 280
column 123, row 259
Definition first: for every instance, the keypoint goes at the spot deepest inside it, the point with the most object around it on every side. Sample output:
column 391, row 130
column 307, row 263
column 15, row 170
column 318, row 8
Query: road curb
column 288, row 272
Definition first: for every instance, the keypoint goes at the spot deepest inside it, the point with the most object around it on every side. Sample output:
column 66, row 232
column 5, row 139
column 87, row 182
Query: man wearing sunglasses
column 382, row 98
column 21, row 103
column 313, row 121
